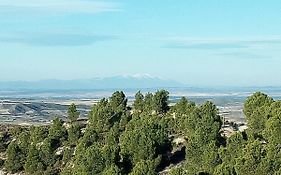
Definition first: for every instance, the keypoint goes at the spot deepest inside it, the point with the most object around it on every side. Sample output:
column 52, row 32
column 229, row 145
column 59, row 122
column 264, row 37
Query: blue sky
column 196, row 42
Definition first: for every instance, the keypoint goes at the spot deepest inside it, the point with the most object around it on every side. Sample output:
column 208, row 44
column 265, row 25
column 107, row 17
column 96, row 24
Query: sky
column 195, row 42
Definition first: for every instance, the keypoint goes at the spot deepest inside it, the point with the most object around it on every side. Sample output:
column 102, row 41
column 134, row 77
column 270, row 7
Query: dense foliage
column 140, row 140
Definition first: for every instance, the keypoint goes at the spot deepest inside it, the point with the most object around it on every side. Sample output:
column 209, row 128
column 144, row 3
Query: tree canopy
column 72, row 112
column 139, row 138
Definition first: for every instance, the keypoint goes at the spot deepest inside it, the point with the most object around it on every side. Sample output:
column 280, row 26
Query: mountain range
column 114, row 82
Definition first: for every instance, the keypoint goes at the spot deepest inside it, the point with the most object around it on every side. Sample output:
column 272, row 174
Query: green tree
column 72, row 112
column 67, row 155
column 271, row 133
column 111, row 149
column 118, row 101
column 225, row 169
column 139, row 102
column 47, row 152
column 275, row 108
column 74, row 133
column 234, row 146
column 251, row 157
column 255, row 101
column 38, row 134
column 148, row 103
column 201, row 158
column 90, row 161
column 33, row 164
column 177, row 171
column 102, row 116
column 160, row 100
column 143, row 167
column 107, row 113
column 257, row 111
column 136, row 146
column 183, row 107
column 57, row 131
column 144, row 139
column 15, row 158
column 24, row 142
column 113, row 169
column 203, row 123
column 202, row 130
column 89, row 138
column 180, row 112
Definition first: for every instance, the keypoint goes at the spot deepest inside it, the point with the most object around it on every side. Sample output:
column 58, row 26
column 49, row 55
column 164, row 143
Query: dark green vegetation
column 120, row 140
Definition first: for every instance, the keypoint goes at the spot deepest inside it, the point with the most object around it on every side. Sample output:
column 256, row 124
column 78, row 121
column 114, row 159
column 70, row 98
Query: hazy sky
column 197, row 42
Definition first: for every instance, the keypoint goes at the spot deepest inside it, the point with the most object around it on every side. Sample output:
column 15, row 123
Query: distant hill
column 120, row 82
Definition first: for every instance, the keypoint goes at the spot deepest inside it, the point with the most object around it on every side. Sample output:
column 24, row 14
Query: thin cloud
column 216, row 44
column 56, row 6
column 264, row 41
column 55, row 39
column 243, row 55
column 205, row 46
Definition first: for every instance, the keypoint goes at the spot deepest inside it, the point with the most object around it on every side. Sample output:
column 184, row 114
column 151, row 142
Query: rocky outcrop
column 6, row 173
